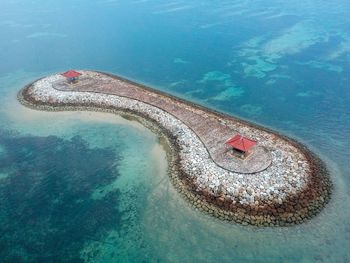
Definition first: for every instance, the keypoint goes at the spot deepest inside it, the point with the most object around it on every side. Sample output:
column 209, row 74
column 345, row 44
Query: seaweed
column 47, row 212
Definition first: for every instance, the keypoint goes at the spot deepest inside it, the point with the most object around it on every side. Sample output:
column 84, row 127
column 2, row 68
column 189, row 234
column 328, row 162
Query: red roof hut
column 241, row 144
column 71, row 75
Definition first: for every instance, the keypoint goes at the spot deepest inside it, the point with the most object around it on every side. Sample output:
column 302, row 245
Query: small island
column 231, row 169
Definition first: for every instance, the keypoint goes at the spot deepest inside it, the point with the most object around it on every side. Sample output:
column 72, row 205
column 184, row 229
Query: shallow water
column 93, row 187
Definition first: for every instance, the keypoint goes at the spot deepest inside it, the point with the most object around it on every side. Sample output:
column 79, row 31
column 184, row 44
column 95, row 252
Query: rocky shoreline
column 294, row 188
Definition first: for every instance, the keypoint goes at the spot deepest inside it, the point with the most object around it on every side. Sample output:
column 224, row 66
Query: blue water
column 93, row 187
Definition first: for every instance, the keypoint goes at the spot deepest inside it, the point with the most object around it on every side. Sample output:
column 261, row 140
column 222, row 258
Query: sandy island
column 280, row 183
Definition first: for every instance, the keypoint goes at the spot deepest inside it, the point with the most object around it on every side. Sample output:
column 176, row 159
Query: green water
column 88, row 187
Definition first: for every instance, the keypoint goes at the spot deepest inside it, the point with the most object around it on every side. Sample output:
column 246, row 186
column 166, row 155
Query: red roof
column 71, row 74
column 241, row 143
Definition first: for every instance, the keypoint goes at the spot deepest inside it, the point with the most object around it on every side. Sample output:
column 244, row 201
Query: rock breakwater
column 282, row 183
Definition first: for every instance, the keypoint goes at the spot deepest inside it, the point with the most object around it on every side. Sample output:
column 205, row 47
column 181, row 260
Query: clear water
column 93, row 187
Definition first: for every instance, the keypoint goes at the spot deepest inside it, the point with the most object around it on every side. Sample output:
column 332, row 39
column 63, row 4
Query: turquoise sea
column 92, row 187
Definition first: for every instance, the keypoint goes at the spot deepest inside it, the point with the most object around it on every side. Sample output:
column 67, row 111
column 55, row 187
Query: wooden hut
column 71, row 75
column 241, row 146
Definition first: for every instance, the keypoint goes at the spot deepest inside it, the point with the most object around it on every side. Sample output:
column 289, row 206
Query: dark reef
column 47, row 211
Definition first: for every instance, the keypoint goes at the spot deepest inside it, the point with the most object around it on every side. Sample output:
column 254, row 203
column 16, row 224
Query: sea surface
column 92, row 187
